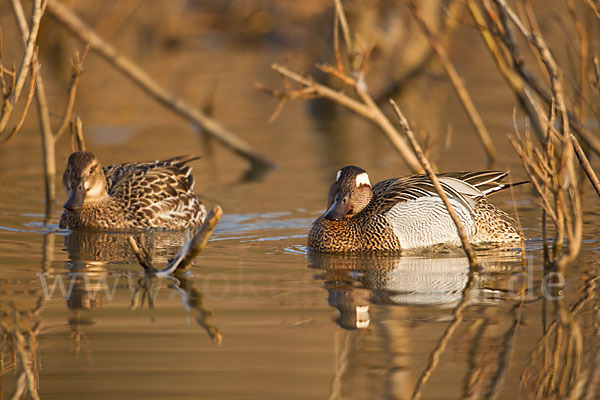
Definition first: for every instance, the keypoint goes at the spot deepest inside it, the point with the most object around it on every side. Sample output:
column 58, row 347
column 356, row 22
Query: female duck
column 157, row 194
column 406, row 213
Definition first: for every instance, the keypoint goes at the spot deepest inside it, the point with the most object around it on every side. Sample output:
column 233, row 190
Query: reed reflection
column 397, row 305
column 97, row 275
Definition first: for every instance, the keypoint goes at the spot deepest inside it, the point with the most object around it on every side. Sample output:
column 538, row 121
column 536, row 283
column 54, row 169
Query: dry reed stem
column 563, row 184
column 42, row 103
column 462, row 234
column 458, row 311
column 30, row 94
column 457, row 84
column 199, row 241
column 585, row 164
column 583, row 59
column 452, row 10
column 77, row 66
column 188, row 252
column 506, row 14
column 369, row 110
column 512, row 78
column 594, row 8
column 142, row 256
column 177, row 267
column 341, row 16
column 141, row 78
column 355, row 79
column 77, row 140
column 596, row 64
column 29, row 40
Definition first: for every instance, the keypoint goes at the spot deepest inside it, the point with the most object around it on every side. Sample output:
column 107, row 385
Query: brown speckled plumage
column 361, row 218
column 158, row 194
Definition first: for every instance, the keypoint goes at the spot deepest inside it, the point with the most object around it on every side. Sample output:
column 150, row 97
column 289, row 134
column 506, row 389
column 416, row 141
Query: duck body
column 131, row 196
column 406, row 213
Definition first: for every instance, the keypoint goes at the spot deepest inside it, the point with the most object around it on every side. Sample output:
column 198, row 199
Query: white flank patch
column 337, row 177
column 362, row 179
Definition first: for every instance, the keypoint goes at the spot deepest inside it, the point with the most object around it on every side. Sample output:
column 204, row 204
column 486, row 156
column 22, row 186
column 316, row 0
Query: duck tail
column 182, row 160
column 502, row 186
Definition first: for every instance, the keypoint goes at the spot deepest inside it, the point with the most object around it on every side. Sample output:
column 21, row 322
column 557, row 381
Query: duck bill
column 75, row 199
column 337, row 211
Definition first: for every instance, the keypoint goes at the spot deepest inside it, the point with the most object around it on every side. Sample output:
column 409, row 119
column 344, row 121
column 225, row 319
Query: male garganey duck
column 156, row 194
column 406, row 213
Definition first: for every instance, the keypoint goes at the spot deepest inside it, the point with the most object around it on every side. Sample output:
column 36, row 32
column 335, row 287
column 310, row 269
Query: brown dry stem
column 367, row 108
column 77, row 66
column 143, row 80
column 188, row 252
column 457, row 84
column 462, row 234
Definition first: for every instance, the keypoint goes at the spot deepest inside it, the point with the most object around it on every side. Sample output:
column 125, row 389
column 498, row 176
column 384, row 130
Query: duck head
column 84, row 180
column 349, row 194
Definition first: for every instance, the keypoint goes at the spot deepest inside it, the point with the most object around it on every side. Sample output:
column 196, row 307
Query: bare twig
column 29, row 39
column 458, row 85
column 77, row 65
column 77, row 141
column 188, row 252
column 30, row 93
column 209, row 125
column 594, row 7
column 341, row 15
column 518, row 64
column 191, row 249
column 370, row 110
column 42, row 103
column 585, row 164
column 142, row 256
column 462, row 234
column 513, row 79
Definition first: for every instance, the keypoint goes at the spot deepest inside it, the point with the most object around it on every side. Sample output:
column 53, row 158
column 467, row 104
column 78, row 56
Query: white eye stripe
column 337, row 177
column 362, row 179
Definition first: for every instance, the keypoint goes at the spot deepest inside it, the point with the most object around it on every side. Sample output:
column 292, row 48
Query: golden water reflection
column 388, row 307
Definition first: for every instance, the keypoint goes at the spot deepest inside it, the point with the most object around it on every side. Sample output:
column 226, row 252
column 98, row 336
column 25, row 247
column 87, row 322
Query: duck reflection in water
column 355, row 282
column 97, row 272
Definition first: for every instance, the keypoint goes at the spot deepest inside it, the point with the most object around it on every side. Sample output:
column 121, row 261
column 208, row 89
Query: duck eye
column 91, row 170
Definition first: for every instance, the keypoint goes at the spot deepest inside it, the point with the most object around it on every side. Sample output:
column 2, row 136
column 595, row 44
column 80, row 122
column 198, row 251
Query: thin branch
column 77, row 65
column 341, row 16
column 191, row 249
column 188, row 252
column 141, row 78
column 142, row 256
column 462, row 234
column 508, row 38
column 29, row 39
column 43, row 113
column 30, row 93
column 458, row 84
column 513, row 79
column 77, row 141
column 370, row 111
column 585, row 164
column 594, row 8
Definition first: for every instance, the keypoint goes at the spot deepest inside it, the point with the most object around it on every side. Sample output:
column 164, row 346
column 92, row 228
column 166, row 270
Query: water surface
column 259, row 316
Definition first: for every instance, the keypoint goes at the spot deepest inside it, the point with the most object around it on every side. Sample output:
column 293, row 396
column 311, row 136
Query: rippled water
column 259, row 316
